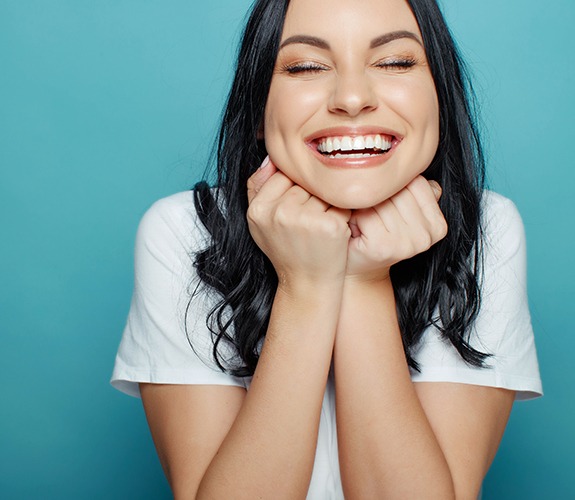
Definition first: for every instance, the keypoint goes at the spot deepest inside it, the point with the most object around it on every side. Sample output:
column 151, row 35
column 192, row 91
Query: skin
column 351, row 87
column 332, row 233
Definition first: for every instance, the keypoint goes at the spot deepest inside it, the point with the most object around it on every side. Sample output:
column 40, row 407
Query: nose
column 352, row 94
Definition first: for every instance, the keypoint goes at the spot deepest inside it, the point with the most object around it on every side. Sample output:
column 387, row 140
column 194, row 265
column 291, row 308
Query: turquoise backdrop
column 107, row 106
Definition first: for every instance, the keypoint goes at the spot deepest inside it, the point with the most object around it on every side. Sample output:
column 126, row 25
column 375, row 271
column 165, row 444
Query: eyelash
column 310, row 67
column 305, row 67
column 406, row 63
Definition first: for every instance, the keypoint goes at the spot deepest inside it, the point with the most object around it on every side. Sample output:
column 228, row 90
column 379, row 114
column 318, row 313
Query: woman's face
column 352, row 113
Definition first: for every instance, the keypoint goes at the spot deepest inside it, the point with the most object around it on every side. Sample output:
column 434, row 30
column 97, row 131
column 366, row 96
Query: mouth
column 354, row 147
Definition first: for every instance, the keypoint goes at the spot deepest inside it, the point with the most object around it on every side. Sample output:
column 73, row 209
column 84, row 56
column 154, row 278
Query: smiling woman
column 367, row 81
column 350, row 318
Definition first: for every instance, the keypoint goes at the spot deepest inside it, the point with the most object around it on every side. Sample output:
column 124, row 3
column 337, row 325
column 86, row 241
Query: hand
column 304, row 237
column 406, row 224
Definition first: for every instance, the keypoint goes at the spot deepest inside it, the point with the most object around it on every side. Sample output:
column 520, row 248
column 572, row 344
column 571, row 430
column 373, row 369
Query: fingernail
column 436, row 187
column 265, row 162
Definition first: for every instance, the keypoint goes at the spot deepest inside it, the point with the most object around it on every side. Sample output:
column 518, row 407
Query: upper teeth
column 357, row 143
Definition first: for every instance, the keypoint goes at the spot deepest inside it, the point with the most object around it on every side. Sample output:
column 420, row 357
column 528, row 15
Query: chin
column 355, row 200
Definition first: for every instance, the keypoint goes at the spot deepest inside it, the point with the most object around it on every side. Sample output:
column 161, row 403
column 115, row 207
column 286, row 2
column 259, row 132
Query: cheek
column 431, row 106
column 431, row 117
column 419, row 107
column 426, row 117
column 275, row 130
column 416, row 102
column 290, row 105
column 288, row 112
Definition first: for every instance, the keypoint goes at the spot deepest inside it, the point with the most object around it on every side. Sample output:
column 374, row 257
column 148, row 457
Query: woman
column 363, row 330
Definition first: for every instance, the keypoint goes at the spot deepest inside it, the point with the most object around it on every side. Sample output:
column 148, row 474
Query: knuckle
column 256, row 212
column 407, row 248
column 333, row 226
column 439, row 228
column 423, row 242
column 382, row 250
column 282, row 217
column 399, row 249
column 383, row 253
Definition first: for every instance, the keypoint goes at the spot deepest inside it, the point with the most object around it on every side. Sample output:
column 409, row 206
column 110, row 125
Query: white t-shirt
column 156, row 349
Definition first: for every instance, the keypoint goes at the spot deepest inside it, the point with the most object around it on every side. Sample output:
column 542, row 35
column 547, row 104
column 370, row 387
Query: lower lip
column 363, row 162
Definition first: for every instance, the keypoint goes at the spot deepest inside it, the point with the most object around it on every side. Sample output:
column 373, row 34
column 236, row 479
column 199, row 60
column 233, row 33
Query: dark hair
column 440, row 286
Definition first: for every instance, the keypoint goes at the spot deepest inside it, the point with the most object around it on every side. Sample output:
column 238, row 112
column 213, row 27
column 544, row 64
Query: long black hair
column 440, row 286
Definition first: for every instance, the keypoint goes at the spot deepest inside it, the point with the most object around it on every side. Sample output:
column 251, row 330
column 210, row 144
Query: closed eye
column 303, row 67
column 403, row 63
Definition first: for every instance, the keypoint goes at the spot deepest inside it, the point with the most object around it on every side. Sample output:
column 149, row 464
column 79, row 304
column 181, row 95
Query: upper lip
column 351, row 132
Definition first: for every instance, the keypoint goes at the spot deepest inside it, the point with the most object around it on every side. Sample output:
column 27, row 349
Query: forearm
column 386, row 445
column 270, row 449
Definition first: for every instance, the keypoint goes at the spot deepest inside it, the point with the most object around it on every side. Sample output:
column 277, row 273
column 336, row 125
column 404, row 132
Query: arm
column 217, row 442
column 221, row 442
column 175, row 413
column 398, row 439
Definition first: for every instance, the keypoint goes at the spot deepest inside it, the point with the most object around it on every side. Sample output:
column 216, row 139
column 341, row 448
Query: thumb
column 260, row 177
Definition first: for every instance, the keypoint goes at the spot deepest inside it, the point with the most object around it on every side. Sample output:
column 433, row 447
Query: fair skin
column 332, row 227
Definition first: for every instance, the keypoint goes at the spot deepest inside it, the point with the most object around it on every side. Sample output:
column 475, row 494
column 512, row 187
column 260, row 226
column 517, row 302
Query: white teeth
column 347, row 143
column 358, row 144
column 353, row 155
column 329, row 145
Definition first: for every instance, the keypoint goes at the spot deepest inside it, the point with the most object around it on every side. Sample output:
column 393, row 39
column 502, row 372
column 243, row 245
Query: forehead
column 348, row 20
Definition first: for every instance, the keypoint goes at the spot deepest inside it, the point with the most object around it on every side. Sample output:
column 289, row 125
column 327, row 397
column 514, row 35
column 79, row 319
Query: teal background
column 107, row 106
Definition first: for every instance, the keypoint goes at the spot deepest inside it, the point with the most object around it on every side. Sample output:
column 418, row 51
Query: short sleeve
column 156, row 346
column 503, row 326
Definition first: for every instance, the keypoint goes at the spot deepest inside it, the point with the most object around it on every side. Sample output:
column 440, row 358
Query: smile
column 354, row 147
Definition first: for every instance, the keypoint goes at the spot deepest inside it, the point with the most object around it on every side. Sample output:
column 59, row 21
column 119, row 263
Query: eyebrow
column 320, row 43
column 307, row 40
column 394, row 35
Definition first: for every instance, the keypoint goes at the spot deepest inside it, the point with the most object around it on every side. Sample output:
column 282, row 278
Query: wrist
column 309, row 288
column 378, row 284
column 366, row 307
column 380, row 276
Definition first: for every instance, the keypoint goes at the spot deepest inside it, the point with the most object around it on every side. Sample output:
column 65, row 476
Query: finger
column 297, row 194
column 426, row 196
column 317, row 204
column 275, row 186
column 370, row 223
column 408, row 207
column 260, row 177
column 389, row 215
column 344, row 213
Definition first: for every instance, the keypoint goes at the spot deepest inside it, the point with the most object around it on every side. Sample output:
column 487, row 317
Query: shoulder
column 175, row 211
column 503, row 326
column 166, row 339
column 169, row 224
column 499, row 214
column 503, row 237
